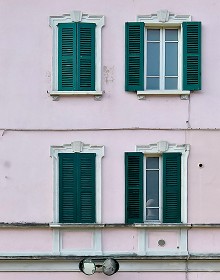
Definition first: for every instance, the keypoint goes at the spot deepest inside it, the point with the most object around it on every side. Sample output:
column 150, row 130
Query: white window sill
column 163, row 92
column 141, row 225
column 56, row 94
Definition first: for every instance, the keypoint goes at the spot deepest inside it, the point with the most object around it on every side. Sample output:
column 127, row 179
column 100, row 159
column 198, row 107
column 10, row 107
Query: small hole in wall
column 161, row 242
column 200, row 165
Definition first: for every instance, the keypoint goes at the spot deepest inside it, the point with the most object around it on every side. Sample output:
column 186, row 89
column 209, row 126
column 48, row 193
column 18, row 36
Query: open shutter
column 134, row 187
column 86, row 188
column 86, row 56
column 67, row 188
column 172, row 187
column 67, row 56
column 134, row 56
column 191, row 55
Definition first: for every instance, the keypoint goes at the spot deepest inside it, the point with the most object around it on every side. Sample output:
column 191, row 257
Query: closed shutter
column 67, row 50
column 191, row 55
column 76, row 56
column 77, row 188
column 134, row 187
column 86, row 195
column 67, row 188
column 134, row 56
column 172, row 187
column 86, row 56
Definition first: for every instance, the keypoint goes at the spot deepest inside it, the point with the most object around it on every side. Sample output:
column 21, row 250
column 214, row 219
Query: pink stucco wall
column 27, row 177
column 26, row 63
column 31, row 122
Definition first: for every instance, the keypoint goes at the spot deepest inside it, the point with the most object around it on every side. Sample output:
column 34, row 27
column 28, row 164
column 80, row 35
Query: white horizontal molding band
column 125, row 266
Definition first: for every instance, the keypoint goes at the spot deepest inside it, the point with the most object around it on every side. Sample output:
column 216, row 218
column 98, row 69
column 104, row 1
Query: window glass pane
column 153, row 34
column 153, row 83
column 152, row 163
column 153, row 59
column 171, row 83
column 152, row 186
column 171, row 59
column 171, row 35
column 152, row 214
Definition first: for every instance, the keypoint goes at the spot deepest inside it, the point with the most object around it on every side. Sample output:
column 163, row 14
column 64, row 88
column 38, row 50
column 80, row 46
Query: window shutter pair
column 134, row 184
column 76, row 56
column 77, row 188
column 134, row 56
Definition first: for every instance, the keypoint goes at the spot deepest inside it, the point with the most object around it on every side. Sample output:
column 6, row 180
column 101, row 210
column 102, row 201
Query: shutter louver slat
column 134, row 187
column 192, row 55
column 172, row 188
column 86, row 56
column 134, row 56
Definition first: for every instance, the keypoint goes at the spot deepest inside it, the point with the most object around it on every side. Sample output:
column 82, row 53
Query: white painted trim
column 70, row 148
column 183, row 240
column 72, row 93
column 99, row 20
column 56, row 242
column 171, row 19
column 163, row 92
column 142, row 242
column 149, row 265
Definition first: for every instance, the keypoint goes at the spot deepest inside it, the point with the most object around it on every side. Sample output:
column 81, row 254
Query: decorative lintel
column 163, row 15
column 76, row 16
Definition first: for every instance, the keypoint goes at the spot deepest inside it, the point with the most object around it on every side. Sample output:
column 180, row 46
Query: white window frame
column 77, row 16
column 165, row 19
column 158, row 149
column 162, row 58
column 79, row 147
column 160, row 188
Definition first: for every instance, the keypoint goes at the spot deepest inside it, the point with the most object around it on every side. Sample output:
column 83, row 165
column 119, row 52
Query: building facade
column 110, row 128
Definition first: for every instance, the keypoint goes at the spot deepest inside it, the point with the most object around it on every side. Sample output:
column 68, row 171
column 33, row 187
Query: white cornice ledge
column 99, row 20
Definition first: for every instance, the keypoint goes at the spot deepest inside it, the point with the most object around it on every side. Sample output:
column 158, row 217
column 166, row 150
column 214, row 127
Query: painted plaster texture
column 24, row 240
column 27, row 171
column 26, row 67
column 31, row 122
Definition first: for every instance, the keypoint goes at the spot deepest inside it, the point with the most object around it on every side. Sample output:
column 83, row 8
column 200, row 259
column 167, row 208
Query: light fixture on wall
column 108, row 266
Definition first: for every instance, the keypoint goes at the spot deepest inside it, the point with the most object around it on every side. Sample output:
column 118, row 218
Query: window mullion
column 145, row 59
column 162, row 59
column 180, row 59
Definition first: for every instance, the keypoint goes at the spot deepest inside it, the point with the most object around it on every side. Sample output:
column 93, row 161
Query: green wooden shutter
column 134, row 56
column 67, row 51
column 172, row 187
column 67, row 188
column 86, row 56
column 191, row 55
column 86, row 193
column 77, row 188
column 134, row 187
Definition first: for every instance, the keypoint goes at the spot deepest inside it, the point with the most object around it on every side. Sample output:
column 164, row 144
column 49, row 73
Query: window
column 156, row 183
column 77, row 183
column 162, row 58
column 76, row 54
column 163, row 54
